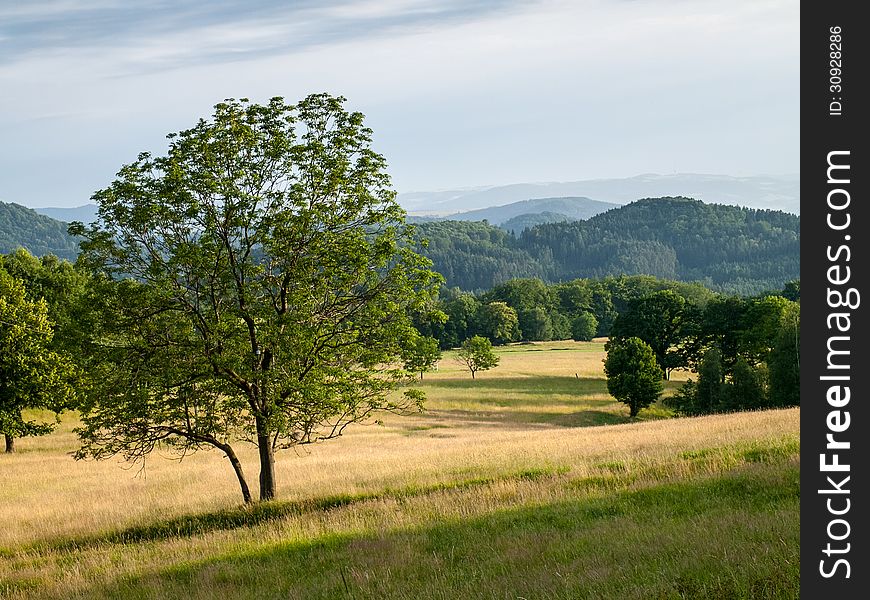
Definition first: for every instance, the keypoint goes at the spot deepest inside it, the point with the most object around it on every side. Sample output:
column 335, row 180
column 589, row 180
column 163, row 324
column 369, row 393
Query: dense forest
column 22, row 227
column 727, row 248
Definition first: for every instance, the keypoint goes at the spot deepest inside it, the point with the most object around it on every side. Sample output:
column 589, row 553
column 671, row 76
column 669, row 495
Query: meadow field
column 528, row 482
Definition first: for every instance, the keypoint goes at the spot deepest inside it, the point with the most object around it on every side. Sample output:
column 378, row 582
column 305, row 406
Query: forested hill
column 731, row 249
column 728, row 248
column 24, row 227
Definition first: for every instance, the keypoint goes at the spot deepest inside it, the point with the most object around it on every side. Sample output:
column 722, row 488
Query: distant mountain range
column 764, row 192
column 86, row 213
column 573, row 199
column 732, row 249
column 517, row 216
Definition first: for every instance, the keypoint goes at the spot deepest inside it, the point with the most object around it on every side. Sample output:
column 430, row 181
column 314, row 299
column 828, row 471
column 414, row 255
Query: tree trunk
column 267, row 462
column 237, row 467
column 472, row 374
column 10, row 443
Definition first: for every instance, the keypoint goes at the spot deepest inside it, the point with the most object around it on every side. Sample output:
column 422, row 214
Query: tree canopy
column 633, row 376
column 255, row 284
column 32, row 374
column 477, row 355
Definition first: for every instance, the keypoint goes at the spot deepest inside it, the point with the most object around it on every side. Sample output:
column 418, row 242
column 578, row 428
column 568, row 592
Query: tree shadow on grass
column 661, row 529
column 263, row 512
column 455, row 418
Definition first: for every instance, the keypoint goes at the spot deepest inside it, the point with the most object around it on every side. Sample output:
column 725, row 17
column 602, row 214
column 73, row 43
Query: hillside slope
column 728, row 248
column 22, row 227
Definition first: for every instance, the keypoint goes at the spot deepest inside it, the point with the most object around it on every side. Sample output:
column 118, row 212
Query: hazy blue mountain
column 763, row 191
column 22, row 227
column 571, row 207
column 86, row 213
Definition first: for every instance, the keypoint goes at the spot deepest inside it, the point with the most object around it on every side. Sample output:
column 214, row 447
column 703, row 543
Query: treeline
column 727, row 248
column 745, row 351
column 22, row 227
column 528, row 309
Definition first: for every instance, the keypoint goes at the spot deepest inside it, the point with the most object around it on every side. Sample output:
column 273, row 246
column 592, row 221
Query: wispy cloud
column 149, row 36
column 459, row 92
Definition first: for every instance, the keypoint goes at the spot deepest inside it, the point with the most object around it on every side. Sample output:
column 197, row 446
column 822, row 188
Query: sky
column 459, row 93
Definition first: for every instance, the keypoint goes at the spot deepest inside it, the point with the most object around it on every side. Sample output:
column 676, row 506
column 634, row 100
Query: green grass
column 723, row 536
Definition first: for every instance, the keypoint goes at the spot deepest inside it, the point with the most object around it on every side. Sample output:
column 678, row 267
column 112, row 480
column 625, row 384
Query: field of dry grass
column 497, row 490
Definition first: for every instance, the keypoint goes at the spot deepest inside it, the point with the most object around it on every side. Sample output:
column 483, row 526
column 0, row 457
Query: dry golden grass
column 479, row 430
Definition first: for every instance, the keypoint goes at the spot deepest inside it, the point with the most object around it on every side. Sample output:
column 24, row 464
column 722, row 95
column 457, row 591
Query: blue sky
column 459, row 93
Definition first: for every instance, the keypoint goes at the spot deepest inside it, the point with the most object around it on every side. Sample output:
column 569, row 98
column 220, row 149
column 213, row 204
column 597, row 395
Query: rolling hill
column 728, row 248
column 22, row 227
column 732, row 249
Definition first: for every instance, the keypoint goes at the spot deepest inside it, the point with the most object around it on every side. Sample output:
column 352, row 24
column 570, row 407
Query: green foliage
column 62, row 287
column 32, row 374
column 747, row 388
column 657, row 319
column 22, row 227
column 498, row 322
column 476, row 354
column 536, row 325
column 256, row 282
column 520, row 223
column 792, row 290
column 732, row 249
column 583, row 327
column 633, row 376
column 421, row 354
column 784, row 362
column 744, row 389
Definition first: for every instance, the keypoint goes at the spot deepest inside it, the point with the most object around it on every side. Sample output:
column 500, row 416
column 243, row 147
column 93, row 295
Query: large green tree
column 633, row 376
column 657, row 319
column 32, row 374
column 784, row 362
column 257, row 282
column 498, row 322
column 62, row 286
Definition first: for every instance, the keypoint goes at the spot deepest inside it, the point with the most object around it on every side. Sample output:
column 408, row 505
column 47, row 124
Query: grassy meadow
column 528, row 482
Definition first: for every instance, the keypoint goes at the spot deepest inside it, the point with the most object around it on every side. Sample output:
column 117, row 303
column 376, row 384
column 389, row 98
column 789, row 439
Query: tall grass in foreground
column 493, row 493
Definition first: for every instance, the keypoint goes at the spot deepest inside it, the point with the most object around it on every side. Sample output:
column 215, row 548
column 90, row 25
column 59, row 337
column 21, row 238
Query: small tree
column 633, row 376
column 32, row 375
column 421, row 354
column 476, row 354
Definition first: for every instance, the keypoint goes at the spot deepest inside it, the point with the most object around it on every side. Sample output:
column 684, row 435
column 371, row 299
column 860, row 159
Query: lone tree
column 256, row 286
column 633, row 376
column 32, row 374
column 422, row 354
column 476, row 354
